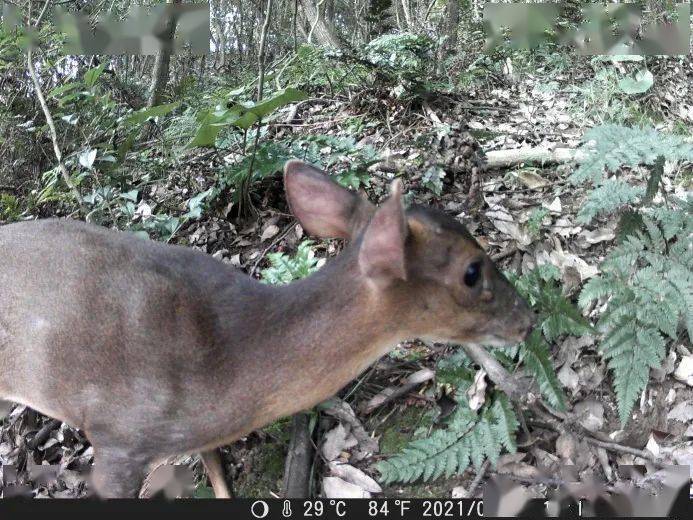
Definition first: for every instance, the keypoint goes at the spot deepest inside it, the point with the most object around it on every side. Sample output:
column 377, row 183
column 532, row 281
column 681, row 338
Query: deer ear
column 323, row 207
column 381, row 256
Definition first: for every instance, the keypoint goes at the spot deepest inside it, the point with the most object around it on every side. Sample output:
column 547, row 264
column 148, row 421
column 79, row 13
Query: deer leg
column 117, row 474
column 215, row 471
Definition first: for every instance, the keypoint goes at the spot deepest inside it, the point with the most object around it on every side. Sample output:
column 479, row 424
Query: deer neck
column 319, row 333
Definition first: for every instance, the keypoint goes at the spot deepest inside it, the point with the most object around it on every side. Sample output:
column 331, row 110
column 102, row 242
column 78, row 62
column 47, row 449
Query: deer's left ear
column 323, row 207
column 381, row 257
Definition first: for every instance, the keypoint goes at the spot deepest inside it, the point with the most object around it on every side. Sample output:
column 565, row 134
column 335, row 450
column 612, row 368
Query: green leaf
column 87, row 157
column 196, row 204
column 140, row 116
column 654, row 179
column 284, row 269
column 535, row 354
column 248, row 114
column 629, row 223
column 58, row 91
column 92, row 75
column 641, row 82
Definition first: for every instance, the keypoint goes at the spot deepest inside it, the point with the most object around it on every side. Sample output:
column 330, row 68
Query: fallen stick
column 542, row 155
column 391, row 393
column 297, row 468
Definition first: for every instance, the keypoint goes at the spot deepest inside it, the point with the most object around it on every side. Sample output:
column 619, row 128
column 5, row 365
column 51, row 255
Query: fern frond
column 468, row 438
column 535, row 354
column 505, row 422
column 612, row 195
column 444, row 451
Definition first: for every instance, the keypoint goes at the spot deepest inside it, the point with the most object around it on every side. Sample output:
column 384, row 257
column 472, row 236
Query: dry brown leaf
column 682, row 412
column 335, row 442
column 269, row 232
column 335, row 487
column 477, row 391
column 355, row 476
column 684, row 372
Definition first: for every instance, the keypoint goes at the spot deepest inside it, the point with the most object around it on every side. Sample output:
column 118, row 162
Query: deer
column 155, row 350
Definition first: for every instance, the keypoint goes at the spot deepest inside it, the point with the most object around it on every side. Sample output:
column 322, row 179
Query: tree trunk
column 452, row 21
column 452, row 11
column 163, row 59
column 323, row 30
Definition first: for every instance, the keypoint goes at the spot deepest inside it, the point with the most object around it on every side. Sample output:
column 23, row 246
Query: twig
column 43, row 434
column 477, row 480
column 391, row 393
column 49, row 119
column 508, row 252
column 274, row 242
column 560, row 422
column 496, row 372
column 620, row 448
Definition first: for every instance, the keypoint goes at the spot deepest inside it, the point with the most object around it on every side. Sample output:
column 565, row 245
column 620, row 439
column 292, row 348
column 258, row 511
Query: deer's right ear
column 324, row 208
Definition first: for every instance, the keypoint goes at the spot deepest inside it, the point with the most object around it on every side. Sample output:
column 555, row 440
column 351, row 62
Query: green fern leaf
column 535, row 354
column 505, row 422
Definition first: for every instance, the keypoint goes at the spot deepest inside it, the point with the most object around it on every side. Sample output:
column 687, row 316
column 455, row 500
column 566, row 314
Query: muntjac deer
column 155, row 350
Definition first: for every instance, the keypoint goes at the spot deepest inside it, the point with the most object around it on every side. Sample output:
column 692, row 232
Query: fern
column 468, row 438
column 557, row 316
column 404, row 56
column 328, row 150
column 612, row 195
column 284, row 269
column 535, row 355
column 611, row 147
column 647, row 281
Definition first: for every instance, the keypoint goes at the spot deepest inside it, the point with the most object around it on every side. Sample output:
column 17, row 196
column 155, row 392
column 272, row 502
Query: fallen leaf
column 564, row 260
column 671, row 396
column 335, row 442
column 564, row 227
column 531, row 179
column 652, row 446
column 355, row 476
column 569, row 378
column 596, row 236
column 235, row 260
column 682, row 412
column 590, row 413
column 269, row 232
column 554, row 206
column 684, row 372
column 459, row 492
column 505, row 223
column 335, row 487
column 477, row 391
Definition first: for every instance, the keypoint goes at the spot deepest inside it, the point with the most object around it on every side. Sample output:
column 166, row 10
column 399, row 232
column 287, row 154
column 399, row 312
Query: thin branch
column 244, row 196
column 477, row 480
column 49, row 118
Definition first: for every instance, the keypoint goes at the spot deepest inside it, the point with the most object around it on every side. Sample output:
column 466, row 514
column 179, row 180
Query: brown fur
column 155, row 350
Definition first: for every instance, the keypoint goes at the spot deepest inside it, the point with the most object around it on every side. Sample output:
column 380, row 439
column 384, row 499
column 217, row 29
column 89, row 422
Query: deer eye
column 472, row 274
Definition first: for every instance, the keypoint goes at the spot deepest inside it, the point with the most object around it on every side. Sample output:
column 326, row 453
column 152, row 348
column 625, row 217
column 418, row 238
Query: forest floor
column 522, row 214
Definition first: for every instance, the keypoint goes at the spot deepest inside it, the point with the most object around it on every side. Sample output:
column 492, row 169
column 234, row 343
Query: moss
column 263, row 473
column 399, row 429
column 263, row 469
